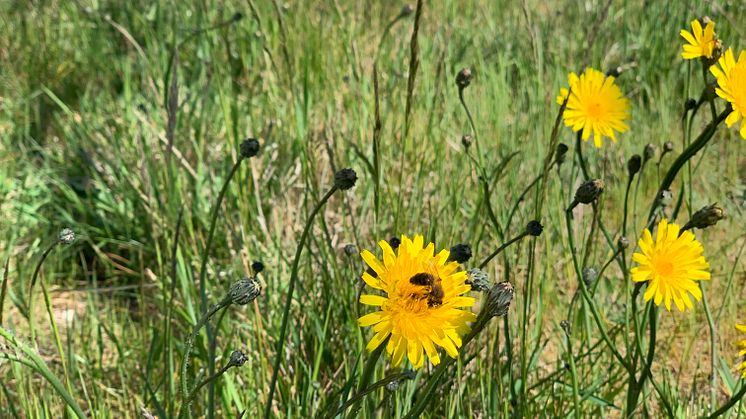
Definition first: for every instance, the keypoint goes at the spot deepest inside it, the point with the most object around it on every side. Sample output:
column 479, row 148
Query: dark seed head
column 345, row 179
column 633, row 165
column 249, row 148
column 534, row 228
column 589, row 191
column 463, row 78
column 460, row 253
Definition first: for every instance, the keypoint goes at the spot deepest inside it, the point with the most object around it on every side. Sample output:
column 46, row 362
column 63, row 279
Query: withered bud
column 590, row 274
column 667, row 147
column 622, row 243
column 66, row 236
column 534, row 228
column 244, row 291
column 238, row 358
column 690, row 104
column 589, row 191
column 460, row 253
column 466, row 140
column 633, row 165
column 478, row 279
column 498, row 299
column 665, row 197
column 648, row 153
column 463, row 78
column 706, row 217
column 345, row 179
column 249, row 148
column 561, row 154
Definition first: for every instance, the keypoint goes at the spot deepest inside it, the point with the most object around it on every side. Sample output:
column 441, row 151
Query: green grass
column 84, row 113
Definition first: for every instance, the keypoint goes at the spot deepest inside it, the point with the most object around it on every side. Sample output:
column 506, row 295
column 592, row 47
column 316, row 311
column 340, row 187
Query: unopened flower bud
column 66, row 236
column 257, row 266
column 406, row 10
column 463, row 78
column 478, row 280
column 622, row 243
column 633, row 165
column 534, row 228
column 350, row 249
column 498, row 299
column 238, row 358
column 565, row 325
column 665, row 197
column 345, row 179
column 561, row 153
column 394, row 242
column 460, row 253
column 706, row 217
column 466, row 140
column 690, row 104
column 249, row 148
column 244, row 291
column 667, row 147
column 237, row 16
column 648, row 153
column 392, row 386
column 614, row 72
column 589, row 191
column 590, row 274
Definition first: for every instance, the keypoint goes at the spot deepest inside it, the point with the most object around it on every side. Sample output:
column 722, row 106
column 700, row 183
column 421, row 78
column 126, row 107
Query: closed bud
column 622, row 243
column 690, row 104
column 561, row 154
column 534, row 228
column 257, row 267
column 667, row 147
column 460, row 253
column 633, row 165
column 350, row 249
column 244, row 291
column 466, row 140
column 565, row 325
column 590, row 274
column 589, row 191
column 394, row 242
column 614, row 72
column 498, row 299
column 66, row 236
column 238, row 358
column 463, row 78
column 665, row 197
column 345, row 179
column 478, row 279
column 406, row 10
column 648, row 153
column 237, row 16
column 706, row 217
column 249, row 148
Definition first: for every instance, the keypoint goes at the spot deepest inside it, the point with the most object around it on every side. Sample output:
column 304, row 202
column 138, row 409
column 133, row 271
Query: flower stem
column 501, row 248
column 289, row 299
column 365, row 378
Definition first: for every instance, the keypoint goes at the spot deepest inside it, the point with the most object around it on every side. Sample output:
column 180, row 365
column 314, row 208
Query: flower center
column 663, row 267
column 595, row 110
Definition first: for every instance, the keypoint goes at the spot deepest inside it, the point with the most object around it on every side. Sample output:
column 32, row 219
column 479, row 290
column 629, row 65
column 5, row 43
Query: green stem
column 501, row 248
column 41, row 367
column 34, row 277
column 289, row 299
column 732, row 401
column 365, row 378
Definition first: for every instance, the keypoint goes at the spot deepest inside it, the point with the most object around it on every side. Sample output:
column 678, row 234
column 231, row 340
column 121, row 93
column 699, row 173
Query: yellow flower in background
column 671, row 265
column 731, row 77
column 596, row 105
column 422, row 305
column 742, row 345
column 701, row 42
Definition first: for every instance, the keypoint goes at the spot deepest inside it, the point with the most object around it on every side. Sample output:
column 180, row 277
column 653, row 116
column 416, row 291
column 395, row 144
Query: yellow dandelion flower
column 596, row 104
column 701, row 42
column 742, row 352
column 671, row 265
column 422, row 305
column 731, row 77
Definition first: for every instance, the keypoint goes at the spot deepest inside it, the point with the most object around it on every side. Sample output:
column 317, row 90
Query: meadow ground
column 123, row 120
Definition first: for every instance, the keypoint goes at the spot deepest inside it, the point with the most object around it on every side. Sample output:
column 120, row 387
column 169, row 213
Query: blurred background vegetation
column 86, row 90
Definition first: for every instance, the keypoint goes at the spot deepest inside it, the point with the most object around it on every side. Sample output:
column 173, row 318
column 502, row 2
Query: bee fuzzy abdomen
column 422, row 278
